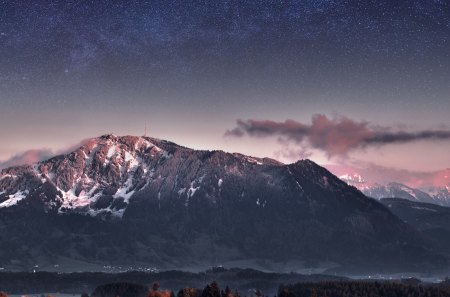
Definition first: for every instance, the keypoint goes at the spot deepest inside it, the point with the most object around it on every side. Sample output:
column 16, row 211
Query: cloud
column 336, row 136
column 73, row 147
column 37, row 155
column 288, row 153
column 27, row 157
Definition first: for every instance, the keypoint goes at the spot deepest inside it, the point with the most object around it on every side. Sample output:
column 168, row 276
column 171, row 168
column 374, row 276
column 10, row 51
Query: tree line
column 304, row 289
column 364, row 289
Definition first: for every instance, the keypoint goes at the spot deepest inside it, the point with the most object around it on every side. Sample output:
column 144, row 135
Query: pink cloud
column 336, row 136
column 36, row 155
column 27, row 157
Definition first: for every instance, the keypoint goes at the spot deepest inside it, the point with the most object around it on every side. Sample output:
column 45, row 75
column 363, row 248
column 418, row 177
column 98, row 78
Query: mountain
column 435, row 195
column 440, row 194
column 430, row 219
column 142, row 202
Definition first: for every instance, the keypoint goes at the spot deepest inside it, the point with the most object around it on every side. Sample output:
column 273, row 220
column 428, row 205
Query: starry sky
column 283, row 79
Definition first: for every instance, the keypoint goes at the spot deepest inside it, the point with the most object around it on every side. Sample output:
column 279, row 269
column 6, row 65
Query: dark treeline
column 364, row 289
column 136, row 290
column 309, row 289
column 74, row 283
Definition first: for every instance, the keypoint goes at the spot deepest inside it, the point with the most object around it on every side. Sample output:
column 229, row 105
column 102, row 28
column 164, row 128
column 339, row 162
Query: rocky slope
column 146, row 202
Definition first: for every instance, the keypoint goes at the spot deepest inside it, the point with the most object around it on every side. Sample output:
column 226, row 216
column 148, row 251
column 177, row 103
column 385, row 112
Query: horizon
column 421, row 180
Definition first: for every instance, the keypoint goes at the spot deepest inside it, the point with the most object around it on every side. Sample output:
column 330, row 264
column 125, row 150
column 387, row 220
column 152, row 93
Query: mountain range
column 432, row 194
column 144, row 202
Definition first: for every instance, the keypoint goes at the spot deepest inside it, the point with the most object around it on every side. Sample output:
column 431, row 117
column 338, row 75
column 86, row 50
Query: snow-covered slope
column 108, row 164
column 440, row 194
column 101, row 176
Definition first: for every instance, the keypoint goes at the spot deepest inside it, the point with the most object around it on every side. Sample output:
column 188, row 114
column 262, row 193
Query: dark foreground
column 75, row 283
column 236, row 283
column 320, row 289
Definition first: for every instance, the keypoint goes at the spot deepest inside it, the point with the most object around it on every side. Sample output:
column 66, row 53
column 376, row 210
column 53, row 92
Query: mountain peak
column 109, row 167
column 132, row 181
column 103, row 174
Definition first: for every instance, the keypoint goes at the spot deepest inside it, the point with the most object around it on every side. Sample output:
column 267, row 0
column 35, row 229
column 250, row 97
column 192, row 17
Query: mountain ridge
column 116, row 155
column 141, row 201
column 434, row 195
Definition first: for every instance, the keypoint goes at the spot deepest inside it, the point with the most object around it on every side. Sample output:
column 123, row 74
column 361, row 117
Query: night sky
column 281, row 79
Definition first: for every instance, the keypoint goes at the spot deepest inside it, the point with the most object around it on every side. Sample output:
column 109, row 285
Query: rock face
column 143, row 201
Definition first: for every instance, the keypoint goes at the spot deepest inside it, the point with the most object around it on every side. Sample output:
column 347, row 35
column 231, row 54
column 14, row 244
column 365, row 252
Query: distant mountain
column 436, row 195
column 144, row 202
column 440, row 194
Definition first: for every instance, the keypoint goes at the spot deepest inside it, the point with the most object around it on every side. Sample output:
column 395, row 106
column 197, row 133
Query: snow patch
column 355, row 178
column 409, row 191
column 125, row 192
column 51, row 176
column 84, row 155
column 144, row 143
column 128, row 157
column 191, row 193
column 8, row 175
column 72, row 201
column 192, row 190
column 111, row 151
column 253, row 160
column 14, row 199
column 132, row 161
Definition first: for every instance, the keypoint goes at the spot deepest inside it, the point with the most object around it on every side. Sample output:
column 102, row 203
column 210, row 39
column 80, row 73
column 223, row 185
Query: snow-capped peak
column 355, row 178
column 107, row 168
column 436, row 195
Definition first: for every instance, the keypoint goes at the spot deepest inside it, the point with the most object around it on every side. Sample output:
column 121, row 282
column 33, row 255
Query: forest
column 405, row 288
column 364, row 289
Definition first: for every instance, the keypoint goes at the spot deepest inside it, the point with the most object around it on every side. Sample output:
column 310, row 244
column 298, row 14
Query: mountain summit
column 140, row 201
column 101, row 176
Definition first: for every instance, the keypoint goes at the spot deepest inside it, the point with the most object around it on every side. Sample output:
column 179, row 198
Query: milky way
column 76, row 47
column 72, row 66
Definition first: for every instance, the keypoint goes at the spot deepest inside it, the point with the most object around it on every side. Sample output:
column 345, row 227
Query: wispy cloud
column 335, row 136
column 27, row 157
column 37, row 155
